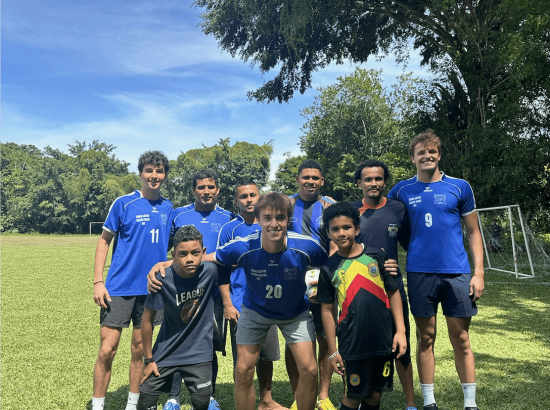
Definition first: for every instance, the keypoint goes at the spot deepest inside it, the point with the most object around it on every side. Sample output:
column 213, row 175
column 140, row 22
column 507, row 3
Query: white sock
column 469, row 390
column 98, row 403
column 132, row 401
column 173, row 399
column 428, row 393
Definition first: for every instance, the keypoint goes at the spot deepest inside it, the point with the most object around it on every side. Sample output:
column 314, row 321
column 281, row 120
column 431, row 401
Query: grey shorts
column 253, row 328
column 270, row 351
column 123, row 309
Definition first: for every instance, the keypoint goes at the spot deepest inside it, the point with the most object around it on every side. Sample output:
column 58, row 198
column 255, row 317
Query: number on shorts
column 387, row 369
column 428, row 219
column 274, row 292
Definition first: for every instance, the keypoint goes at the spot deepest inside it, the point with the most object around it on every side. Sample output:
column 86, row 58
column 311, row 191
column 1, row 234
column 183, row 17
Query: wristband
column 99, row 281
column 332, row 356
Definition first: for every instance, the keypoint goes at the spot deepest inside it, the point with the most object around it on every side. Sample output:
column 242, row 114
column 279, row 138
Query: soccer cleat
column 214, row 405
column 432, row 406
column 325, row 404
column 294, row 406
column 411, row 408
column 170, row 405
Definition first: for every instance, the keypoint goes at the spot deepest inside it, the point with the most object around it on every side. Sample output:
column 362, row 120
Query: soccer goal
column 94, row 223
column 506, row 240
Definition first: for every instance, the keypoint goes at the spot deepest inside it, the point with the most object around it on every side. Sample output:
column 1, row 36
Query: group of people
column 249, row 270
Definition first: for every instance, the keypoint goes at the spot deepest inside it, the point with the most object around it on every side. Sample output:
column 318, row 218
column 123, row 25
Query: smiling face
column 310, row 181
column 426, row 158
column 372, row 183
column 188, row 256
column 274, row 225
column 206, row 194
column 246, row 197
column 342, row 232
column 152, row 177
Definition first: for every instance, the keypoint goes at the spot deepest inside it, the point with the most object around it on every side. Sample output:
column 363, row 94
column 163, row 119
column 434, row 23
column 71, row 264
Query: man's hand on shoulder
column 477, row 286
column 100, row 294
column 154, row 285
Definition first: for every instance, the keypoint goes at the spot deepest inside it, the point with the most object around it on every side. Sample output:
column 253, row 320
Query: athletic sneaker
column 214, row 405
column 294, row 406
column 170, row 405
column 411, row 408
column 471, row 408
column 432, row 406
column 325, row 404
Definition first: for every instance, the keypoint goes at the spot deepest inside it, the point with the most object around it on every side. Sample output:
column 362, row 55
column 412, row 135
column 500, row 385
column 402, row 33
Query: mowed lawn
column 50, row 338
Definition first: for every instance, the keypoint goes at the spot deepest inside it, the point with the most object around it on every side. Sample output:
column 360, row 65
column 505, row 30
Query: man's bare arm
column 475, row 242
column 102, row 249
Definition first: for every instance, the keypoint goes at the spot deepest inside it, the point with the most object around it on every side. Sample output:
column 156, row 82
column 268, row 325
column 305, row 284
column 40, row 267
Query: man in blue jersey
column 246, row 195
column 437, row 264
column 308, row 206
column 208, row 218
column 140, row 223
column 384, row 223
column 275, row 263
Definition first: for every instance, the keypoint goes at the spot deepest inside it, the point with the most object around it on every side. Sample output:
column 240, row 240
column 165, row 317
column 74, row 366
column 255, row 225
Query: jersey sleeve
column 393, row 193
column 466, row 204
column 325, row 291
column 228, row 254
column 114, row 218
column 317, row 254
column 225, row 235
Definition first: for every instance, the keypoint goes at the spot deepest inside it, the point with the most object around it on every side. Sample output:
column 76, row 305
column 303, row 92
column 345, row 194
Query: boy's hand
column 390, row 266
column 148, row 370
column 337, row 364
column 231, row 313
column 399, row 340
column 312, row 297
column 100, row 294
column 477, row 287
column 153, row 285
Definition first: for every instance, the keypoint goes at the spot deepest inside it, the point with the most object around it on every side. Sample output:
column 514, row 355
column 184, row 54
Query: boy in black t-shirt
column 368, row 299
column 184, row 342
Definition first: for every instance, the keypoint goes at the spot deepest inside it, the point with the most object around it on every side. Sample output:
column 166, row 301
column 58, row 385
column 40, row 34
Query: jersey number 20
column 274, row 292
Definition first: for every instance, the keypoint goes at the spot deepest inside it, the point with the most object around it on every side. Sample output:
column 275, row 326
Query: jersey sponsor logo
column 392, row 230
column 143, row 218
column 216, row 226
column 258, row 273
column 440, row 199
column 185, row 296
column 415, row 200
column 272, row 262
column 155, row 210
column 164, row 218
column 355, row 380
column 428, row 189
column 203, row 385
column 291, row 273
column 373, row 269
column 342, row 276
column 204, row 220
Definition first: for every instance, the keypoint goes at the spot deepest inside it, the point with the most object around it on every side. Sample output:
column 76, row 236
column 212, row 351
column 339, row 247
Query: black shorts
column 270, row 351
column 219, row 330
column 123, row 309
column 197, row 379
column 362, row 377
column 315, row 309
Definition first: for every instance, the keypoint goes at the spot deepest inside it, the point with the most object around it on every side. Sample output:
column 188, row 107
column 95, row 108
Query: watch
column 147, row 361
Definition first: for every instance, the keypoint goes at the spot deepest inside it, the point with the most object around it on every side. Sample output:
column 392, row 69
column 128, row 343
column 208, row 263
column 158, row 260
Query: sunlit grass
column 50, row 338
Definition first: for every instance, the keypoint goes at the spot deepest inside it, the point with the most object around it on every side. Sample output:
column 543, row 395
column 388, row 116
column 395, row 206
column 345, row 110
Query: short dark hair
column 274, row 200
column 341, row 209
column 187, row 233
column 372, row 163
column 153, row 158
column 427, row 137
column 204, row 173
column 310, row 163
column 243, row 182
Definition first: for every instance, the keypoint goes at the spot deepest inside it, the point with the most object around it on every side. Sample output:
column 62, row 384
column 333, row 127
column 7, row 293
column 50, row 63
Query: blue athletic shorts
column 427, row 290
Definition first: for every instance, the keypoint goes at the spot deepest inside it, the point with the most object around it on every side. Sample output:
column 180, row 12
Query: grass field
column 50, row 338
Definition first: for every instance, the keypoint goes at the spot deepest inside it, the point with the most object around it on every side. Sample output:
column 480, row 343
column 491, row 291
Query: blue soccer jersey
column 208, row 223
column 307, row 218
column 141, row 229
column 435, row 209
column 237, row 228
column 275, row 281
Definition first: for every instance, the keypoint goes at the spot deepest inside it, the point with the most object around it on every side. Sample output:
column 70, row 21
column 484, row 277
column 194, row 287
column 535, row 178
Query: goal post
column 506, row 253
column 94, row 223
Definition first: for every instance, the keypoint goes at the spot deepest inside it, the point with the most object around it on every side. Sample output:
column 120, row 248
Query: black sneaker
column 432, row 406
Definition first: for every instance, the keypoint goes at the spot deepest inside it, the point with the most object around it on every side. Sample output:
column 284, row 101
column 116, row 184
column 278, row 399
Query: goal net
column 509, row 244
column 99, row 230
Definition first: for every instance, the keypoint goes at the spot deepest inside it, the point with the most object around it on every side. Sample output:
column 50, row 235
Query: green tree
column 285, row 176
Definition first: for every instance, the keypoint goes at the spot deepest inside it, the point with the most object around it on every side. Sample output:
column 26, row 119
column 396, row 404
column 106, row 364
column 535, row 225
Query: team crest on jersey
column 355, row 380
column 342, row 276
column 392, row 230
column 291, row 273
column 440, row 199
column 216, row 226
column 373, row 269
column 320, row 222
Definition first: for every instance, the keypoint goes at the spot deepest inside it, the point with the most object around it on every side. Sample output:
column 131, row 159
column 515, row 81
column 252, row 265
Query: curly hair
column 372, row 163
column 204, row 173
column 310, row 164
column 153, row 158
column 187, row 233
column 341, row 209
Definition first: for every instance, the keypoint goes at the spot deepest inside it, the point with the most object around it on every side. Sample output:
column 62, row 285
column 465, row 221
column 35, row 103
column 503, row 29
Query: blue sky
column 139, row 75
